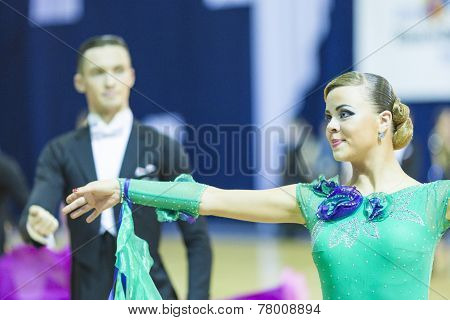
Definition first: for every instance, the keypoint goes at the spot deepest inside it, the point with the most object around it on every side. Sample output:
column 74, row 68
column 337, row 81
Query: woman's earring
column 380, row 136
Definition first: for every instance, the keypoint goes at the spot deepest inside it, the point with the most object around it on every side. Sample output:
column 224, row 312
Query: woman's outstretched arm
column 278, row 205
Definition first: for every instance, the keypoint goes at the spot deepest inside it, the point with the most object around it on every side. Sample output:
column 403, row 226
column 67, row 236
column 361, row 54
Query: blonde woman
column 373, row 237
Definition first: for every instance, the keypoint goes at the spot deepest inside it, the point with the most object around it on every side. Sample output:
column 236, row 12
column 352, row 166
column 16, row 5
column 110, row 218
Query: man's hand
column 41, row 224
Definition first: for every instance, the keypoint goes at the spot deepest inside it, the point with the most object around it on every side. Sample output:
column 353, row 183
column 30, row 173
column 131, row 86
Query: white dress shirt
column 109, row 142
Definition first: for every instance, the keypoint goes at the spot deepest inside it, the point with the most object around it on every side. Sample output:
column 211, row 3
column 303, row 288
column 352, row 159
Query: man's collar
column 100, row 128
column 122, row 116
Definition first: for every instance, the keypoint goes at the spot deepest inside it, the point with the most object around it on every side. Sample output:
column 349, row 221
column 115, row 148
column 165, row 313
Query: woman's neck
column 379, row 174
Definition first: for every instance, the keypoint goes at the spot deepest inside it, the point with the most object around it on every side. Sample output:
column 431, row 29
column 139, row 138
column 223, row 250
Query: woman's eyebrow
column 342, row 106
column 337, row 108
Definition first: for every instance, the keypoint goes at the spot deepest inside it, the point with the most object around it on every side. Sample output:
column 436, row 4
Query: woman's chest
column 403, row 225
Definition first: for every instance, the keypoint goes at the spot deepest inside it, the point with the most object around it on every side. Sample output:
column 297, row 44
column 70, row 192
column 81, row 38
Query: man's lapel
column 130, row 158
column 83, row 154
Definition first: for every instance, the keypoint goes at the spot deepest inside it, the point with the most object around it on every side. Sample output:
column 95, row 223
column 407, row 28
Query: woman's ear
column 78, row 83
column 385, row 121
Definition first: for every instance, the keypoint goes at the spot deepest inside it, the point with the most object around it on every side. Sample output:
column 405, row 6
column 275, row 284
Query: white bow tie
column 117, row 127
column 99, row 131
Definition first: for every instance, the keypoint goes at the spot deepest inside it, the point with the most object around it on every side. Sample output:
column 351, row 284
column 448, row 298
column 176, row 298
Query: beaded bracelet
column 121, row 190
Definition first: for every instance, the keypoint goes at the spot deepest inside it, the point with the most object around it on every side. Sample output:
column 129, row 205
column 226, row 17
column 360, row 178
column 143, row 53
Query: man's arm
column 38, row 220
column 173, row 159
column 199, row 253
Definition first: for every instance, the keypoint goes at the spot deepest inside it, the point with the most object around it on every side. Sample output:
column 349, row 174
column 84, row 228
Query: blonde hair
column 380, row 93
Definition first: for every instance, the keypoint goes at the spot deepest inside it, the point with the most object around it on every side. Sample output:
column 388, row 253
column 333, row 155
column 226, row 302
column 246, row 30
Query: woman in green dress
column 373, row 237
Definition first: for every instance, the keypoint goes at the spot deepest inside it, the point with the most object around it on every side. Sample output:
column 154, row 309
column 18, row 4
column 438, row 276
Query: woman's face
column 352, row 123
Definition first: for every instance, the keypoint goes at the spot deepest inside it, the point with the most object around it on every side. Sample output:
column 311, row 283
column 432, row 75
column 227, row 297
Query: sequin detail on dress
column 399, row 209
column 377, row 207
column 347, row 232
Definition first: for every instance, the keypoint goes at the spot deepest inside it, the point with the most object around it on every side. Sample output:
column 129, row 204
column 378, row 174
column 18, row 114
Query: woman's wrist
column 172, row 199
column 119, row 189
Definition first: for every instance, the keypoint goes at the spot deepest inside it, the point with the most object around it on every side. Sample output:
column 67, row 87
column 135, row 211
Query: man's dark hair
column 99, row 41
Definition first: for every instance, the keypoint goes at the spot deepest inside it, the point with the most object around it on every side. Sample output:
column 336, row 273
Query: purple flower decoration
column 340, row 203
column 376, row 205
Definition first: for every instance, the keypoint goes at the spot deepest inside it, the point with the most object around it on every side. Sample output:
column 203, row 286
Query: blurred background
column 259, row 64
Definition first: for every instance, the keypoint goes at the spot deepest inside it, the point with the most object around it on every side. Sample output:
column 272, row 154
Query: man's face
column 106, row 78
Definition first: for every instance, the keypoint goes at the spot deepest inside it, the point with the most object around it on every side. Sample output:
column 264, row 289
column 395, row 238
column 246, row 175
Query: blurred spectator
column 12, row 186
column 439, row 146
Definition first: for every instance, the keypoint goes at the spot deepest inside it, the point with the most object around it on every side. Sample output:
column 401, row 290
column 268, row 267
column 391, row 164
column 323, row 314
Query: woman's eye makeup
column 345, row 114
column 342, row 114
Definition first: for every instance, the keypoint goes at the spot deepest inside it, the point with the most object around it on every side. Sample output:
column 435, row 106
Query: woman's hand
column 97, row 195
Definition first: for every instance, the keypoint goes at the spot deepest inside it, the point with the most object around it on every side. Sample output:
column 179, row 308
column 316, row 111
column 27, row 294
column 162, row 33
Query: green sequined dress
column 387, row 259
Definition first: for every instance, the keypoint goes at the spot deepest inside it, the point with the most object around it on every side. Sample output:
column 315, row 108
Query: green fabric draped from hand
column 133, row 260
column 177, row 200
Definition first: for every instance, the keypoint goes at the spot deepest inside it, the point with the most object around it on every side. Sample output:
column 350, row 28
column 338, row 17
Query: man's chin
column 111, row 108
